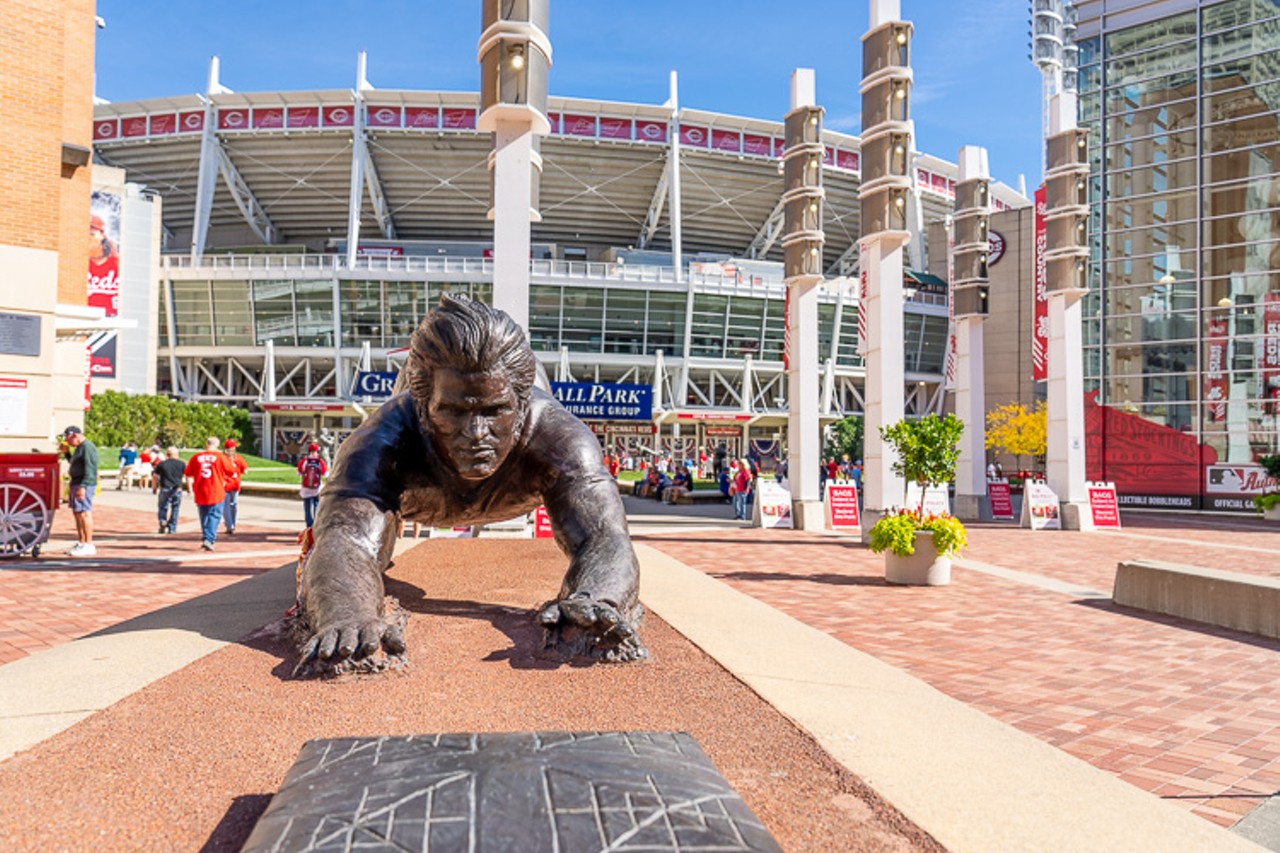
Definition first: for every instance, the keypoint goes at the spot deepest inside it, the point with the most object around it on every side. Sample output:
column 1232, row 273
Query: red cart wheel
column 24, row 520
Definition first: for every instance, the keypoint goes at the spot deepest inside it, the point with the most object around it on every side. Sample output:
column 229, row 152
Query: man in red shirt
column 238, row 466
column 207, row 473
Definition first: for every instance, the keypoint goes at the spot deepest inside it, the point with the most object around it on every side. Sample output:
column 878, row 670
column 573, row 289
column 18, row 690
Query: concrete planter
column 1272, row 514
column 923, row 568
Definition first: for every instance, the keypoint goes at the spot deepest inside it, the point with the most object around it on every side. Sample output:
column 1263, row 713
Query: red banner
column 615, row 128
column 847, row 160
column 1001, row 500
column 233, row 119
column 726, row 140
column 542, row 524
column 939, row 183
column 192, row 122
column 460, row 119
column 651, row 131
column 758, row 145
column 421, row 117
column 842, row 506
column 779, row 146
column 1269, row 363
column 163, row 124
column 1215, row 370
column 133, row 126
column 575, row 125
column 694, row 136
column 268, row 118
column 339, row 116
column 106, row 129
column 1040, row 295
column 302, row 117
column 383, row 116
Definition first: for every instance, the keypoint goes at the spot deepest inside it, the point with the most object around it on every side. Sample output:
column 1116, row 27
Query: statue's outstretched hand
column 352, row 645
column 582, row 626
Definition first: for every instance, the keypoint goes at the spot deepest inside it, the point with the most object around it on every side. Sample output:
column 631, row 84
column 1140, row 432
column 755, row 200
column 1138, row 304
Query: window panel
column 1235, row 165
column 314, row 301
column 1242, row 133
column 273, row 313
column 1152, row 63
column 164, row 315
column 745, row 327
column 775, row 327
column 1242, row 102
column 1256, row 38
column 624, row 321
column 666, row 323
column 544, row 318
column 1157, row 209
column 233, row 321
column 1158, row 178
column 582, row 327
column 194, row 325
column 1150, row 35
column 406, row 305
column 361, row 312
column 1162, row 119
column 1236, row 13
column 1247, row 257
column 708, row 333
column 1242, row 71
column 1161, row 148
column 1149, row 93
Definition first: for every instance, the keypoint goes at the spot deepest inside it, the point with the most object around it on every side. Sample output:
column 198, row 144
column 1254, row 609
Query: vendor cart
column 29, row 491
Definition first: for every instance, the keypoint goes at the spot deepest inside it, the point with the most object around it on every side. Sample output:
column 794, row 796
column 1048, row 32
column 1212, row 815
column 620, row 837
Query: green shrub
column 1266, row 502
column 896, row 532
column 145, row 419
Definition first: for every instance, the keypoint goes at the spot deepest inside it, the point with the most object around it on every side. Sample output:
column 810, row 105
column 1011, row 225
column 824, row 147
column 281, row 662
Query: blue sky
column 974, row 84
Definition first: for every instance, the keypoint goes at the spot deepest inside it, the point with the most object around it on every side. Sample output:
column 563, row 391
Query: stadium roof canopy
column 286, row 173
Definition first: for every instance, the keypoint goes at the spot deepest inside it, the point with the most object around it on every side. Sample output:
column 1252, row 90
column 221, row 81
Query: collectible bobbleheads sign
column 935, row 500
column 1040, row 506
column 1103, row 504
column 842, row 507
column 542, row 524
column 1001, row 500
column 773, row 504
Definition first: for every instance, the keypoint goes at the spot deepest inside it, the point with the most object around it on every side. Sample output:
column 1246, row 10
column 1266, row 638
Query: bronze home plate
column 496, row 793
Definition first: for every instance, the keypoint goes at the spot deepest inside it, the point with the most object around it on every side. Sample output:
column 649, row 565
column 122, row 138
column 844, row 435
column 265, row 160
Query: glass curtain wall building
column 1182, row 323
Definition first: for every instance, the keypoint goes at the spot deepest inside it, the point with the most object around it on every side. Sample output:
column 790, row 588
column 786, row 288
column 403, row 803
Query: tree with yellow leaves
column 1017, row 431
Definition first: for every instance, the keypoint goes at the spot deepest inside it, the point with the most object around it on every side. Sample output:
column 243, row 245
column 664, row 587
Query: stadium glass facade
column 1182, row 328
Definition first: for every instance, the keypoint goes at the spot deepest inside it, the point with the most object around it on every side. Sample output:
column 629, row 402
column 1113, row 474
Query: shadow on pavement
column 233, row 830
column 1179, row 622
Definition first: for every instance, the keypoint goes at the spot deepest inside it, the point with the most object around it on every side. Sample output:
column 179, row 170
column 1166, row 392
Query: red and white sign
column 13, row 411
column 786, row 330
column 651, row 131
column 713, row 416
column 1104, row 505
column 304, row 117
column 302, row 407
column 133, row 127
column 939, row 183
column 164, row 124
column 1269, row 362
column 106, row 129
column 1215, row 374
column 753, row 144
column 579, row 125
column 233, row 119
column 953, row 351
column 192, row 122
column 383, row 116
column 1040, row 506
column 864, row 264
column 772, row 504
column 268, row 118
column 1001, row 498
column 726, row 140
column 542, row 524
column 460, row 119
column 995, row 247
column 922, row 179
column 696, row 137
column 423, row 118
column 339, row 116
column 847, row 160
column 380, row 251
column 842, row 507
column 625, row 429
column 615, row 128
column 734, row 431
column 828, row 156
column 779, row 146
column 1040, row 294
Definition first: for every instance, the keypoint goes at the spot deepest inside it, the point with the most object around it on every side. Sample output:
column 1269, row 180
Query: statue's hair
column 468, row 336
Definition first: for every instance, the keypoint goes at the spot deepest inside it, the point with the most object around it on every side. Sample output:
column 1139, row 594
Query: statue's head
column 471, row 373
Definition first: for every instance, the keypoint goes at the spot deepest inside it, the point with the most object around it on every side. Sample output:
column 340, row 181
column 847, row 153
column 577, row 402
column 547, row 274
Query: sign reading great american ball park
column 604, row 401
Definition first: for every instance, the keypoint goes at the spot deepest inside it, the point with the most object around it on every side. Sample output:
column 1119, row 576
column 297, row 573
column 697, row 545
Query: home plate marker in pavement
column 563, row 791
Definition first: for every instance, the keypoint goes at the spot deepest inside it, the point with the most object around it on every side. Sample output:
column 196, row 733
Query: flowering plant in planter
column 927, row 454
column 897, row 531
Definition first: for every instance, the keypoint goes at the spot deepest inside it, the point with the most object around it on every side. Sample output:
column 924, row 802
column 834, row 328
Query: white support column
column 883, row 397
column 269, row 372
column 747, row 386
column 659, row 376
column 339, row 363
column 828, row 385
column 970, row 224
column 355, row 198
column 207, row 176
column 674, row 184
column 512, row 200
column 176, row 379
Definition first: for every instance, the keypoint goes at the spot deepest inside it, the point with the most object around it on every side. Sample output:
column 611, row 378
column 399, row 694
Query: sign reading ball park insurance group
column 604, row 401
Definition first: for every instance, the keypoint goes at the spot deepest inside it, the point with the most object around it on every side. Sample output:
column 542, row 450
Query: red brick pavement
column 1187, row 712
column 56, row 598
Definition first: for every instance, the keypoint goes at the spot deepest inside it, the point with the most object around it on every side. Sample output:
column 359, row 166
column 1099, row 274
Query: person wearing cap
column 237, row 467
column 83, row 473
column 313, row 471
column 208, row 472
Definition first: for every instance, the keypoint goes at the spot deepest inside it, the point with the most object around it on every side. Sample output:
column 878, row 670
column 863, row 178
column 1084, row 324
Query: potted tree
column 918, row 546
column 1269, row 504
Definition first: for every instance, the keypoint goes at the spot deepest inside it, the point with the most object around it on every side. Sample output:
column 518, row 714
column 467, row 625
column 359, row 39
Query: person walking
column 207, row 472
column 237, row 469
column 313, row 470
column 83, row 473
column 166, row 483
column 741, row 490
column 128, row 458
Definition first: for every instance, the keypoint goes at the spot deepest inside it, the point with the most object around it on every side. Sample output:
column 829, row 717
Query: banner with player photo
column 104, row 277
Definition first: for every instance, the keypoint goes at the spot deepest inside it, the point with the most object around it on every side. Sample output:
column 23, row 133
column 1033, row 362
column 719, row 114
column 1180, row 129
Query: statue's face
column 474, row 418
